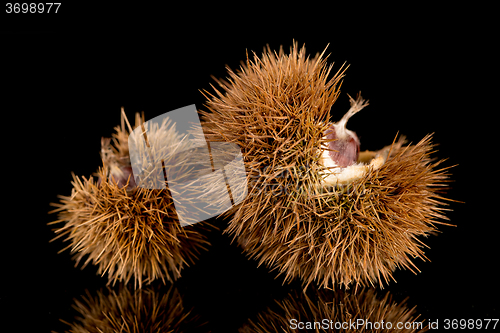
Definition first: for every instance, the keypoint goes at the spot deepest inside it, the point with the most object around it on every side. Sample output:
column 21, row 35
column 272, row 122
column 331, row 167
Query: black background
column 64, row 79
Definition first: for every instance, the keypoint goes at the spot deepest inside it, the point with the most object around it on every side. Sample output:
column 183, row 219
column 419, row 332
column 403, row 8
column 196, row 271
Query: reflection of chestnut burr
column 128, row 231
column 318, row 208
column 336, row 311
column 140, row 311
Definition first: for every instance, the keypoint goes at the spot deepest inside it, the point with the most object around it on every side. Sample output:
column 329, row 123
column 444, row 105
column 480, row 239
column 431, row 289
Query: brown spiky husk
column 129, row 232
column 276, row 108
column 337, row 307
column 133, row 311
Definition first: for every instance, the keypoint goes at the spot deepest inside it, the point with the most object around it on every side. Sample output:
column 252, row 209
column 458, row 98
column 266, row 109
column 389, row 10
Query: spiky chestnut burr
column 307, row 215
column 128, row 231
column 336, row 311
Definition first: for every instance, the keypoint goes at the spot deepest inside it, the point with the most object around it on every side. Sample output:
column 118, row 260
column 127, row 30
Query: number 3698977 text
column 32, row 7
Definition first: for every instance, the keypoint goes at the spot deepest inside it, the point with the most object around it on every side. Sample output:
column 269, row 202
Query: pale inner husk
column 367, row 160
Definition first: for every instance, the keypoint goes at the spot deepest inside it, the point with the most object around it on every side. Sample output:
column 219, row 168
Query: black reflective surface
column 63, row 89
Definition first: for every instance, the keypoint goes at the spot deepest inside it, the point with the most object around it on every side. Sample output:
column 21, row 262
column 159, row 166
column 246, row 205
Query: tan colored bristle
column 276, row 108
